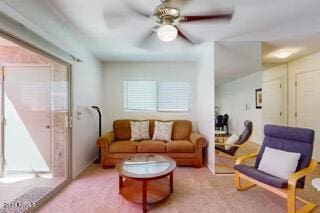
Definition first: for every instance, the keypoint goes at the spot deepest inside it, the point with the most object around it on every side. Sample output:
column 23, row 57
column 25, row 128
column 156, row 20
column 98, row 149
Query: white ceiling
column 278, row 23
column 234, row 60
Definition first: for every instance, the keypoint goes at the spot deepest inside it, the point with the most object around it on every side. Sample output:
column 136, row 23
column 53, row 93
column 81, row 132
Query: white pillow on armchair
column 279, row 163
column 231, row 140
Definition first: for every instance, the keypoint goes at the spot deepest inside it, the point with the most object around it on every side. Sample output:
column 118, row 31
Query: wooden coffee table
column 143, row 179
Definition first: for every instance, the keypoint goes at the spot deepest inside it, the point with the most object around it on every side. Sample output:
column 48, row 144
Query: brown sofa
column 186, row 146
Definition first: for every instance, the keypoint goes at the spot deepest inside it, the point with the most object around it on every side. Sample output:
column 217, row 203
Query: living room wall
column 205, row 100
column 114, row 73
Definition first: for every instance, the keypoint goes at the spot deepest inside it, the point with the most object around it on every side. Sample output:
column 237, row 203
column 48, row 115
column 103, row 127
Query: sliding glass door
column 35, row 125
column 27, row 119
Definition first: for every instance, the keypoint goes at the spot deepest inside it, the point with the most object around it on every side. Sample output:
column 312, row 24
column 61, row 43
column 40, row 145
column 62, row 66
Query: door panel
column 27, row 111
column 272, row 102
column 308, row 102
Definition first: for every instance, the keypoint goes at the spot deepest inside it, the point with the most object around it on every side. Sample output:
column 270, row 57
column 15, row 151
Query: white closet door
column 308, row 104
column 272, row 102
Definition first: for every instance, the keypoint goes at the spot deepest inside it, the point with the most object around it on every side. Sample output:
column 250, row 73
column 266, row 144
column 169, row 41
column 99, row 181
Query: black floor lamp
column 97, row 161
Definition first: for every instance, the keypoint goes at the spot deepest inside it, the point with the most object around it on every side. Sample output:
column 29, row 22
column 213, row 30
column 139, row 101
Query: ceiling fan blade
column 114, row 20
column 217, row 17
column 145, row 39
column 139, row 12
column 184, row 37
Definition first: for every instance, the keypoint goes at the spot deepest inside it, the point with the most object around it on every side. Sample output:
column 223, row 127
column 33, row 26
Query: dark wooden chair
column 226, row 123
column 219, row 122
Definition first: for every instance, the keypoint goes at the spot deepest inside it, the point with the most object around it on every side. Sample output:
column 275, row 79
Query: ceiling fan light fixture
column 167, row 33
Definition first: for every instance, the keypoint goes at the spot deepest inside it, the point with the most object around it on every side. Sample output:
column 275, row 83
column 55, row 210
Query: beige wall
column 205, row 101
column 116, row 72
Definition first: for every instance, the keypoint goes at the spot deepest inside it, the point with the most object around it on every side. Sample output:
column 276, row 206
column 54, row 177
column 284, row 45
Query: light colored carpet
column 195, row 190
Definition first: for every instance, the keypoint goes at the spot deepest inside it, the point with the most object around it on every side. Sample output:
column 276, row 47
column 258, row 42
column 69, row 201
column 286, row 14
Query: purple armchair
column 290, row 139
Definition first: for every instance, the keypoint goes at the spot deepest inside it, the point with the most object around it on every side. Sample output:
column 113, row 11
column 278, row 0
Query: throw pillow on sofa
column 139, row 130
column 162, row 130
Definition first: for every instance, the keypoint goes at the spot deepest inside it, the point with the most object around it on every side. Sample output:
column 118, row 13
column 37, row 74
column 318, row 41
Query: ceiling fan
column 168, row 17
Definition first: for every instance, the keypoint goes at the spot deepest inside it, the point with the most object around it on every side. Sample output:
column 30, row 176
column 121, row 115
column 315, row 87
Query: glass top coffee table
column 146, row 179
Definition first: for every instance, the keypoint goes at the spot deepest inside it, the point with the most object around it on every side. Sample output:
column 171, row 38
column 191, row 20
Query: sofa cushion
column 123, row 147
column 180, row 146
column 151, row 146
column 181, row 129
column 261, row 176
column 122, row 130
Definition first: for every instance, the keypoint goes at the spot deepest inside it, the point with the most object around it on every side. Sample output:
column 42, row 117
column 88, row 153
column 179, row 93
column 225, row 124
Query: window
column 156, row 96
column 140, row 95
column 173, row 96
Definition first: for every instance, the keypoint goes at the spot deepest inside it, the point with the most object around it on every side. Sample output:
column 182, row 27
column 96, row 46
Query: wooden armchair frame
column 288, row 193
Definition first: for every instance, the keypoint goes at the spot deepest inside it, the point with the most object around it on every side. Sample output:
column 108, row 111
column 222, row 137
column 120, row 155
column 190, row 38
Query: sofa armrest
column 106, row 139
column 197, row 138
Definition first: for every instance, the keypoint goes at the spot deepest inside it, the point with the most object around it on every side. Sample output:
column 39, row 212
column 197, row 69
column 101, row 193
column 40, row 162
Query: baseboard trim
column 84, row 168
column 225, row 174
column 211, row 167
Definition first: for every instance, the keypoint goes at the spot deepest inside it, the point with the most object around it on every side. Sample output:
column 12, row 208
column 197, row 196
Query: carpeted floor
column 195, row 190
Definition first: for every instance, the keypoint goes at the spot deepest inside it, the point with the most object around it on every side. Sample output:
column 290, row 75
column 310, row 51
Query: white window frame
column 157, row 97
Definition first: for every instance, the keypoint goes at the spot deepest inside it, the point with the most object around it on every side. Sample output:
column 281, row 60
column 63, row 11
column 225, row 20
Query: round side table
column 316, row 184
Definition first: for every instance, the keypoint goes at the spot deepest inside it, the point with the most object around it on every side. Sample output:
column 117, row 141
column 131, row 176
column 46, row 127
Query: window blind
column 140, row 95
column 173, row 96
column 59, row 96
column 156, row 96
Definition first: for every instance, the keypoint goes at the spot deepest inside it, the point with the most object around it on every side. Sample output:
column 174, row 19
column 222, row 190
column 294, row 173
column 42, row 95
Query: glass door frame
column 68, row 65
column 2, row 123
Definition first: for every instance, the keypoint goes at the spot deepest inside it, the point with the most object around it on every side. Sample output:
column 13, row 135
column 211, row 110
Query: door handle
column 48, row 126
